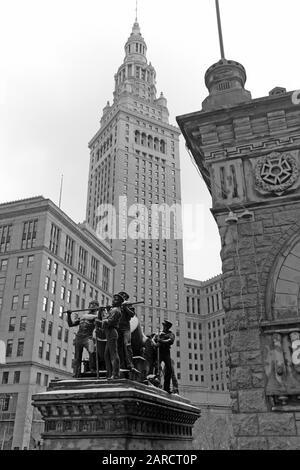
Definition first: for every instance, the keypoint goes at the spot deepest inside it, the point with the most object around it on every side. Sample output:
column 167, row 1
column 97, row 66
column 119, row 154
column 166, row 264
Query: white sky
column 57, row 64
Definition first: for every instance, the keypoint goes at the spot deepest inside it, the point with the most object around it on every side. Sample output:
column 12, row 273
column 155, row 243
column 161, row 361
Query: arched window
column 162, row 146
column 156, row 142
column 143, row 140
column 137, row 137
column 150, row 141
column 136, row 47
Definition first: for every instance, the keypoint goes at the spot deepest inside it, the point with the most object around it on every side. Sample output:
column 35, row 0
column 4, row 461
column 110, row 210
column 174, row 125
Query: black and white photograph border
column 149, row 232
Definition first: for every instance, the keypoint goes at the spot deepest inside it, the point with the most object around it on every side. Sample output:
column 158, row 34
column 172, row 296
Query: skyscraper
column 135, row 156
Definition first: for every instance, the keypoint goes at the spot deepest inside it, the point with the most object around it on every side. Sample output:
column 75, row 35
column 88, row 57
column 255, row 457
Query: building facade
column 134, row 168
column 205, row 321
column 48, row 264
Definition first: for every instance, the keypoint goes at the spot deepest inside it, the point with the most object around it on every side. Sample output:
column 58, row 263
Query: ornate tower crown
column 135, row 47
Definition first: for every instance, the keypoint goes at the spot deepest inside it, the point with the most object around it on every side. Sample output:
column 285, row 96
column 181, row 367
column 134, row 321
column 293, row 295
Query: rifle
column 108, row 307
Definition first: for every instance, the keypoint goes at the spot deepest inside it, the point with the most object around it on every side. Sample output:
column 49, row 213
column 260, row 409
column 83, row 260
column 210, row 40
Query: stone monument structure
column 248, row 152
column 84, row 414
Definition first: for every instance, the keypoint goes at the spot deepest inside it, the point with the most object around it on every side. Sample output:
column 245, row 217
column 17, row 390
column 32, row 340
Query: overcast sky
column 57, row 64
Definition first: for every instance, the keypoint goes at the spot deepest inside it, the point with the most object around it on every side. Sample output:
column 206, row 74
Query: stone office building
column 48, row 264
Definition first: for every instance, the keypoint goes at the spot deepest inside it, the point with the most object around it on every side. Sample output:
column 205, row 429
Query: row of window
column 20, row 263
column 49, row 330
column 149, row 141
column 79, row 284
column 15, row 302
column 16, row 380
column 83, row 256
column 58, row 353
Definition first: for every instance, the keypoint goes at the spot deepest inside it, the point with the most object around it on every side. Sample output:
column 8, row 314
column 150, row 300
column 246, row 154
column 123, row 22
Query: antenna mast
column 220, row 30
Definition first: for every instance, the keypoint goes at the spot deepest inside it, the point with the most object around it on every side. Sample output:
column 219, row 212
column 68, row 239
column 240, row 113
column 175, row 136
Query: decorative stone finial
column 225, row 81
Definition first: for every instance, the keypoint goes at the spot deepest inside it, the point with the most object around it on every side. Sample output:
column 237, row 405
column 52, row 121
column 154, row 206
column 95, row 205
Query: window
column 49, row 263
column 20, row 348
column 105, row 278
column 38, row 378
column 55, row 268
column 45, row 304
column 59, row 333
column 15, row 301
column 28, row 280
column 17, row 375
column 51, row 309
column 5, row 378
column 54, row 239
column 61, row 309
column 5, row 236
column 53, row 287
column 29, row 234
column 69, row 250
column 12, row 324
column 46, row 380
column 1, row 302
column 3, row 264
column 62, row 293
column 30, row 261
column 64, row 276
column 20, row 262
column 82, row 260
column 65, row 357
column 94, row 270
column 48, row 351
column 47, row 282
column 41, row 349
column 23, row 323
column 66, row 338
column 70, row 278
column 58, row 351
column 50, row 328
column 43, row 325
column 69, row 296
column 5, row 403
column 25, row 301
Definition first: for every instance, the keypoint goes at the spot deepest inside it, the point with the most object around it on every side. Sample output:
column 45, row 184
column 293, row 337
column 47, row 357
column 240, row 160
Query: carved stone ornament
column 276, row 172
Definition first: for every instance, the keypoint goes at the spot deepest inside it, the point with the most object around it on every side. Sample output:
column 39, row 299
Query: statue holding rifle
column 84, row 336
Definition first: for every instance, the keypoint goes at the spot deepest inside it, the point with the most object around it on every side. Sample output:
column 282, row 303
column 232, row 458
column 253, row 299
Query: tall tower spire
column 136, row 10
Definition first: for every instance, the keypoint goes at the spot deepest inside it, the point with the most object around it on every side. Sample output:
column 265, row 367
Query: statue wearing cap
column 111, row 325
column 164, row 340
column 124, row 339
column 84, row 337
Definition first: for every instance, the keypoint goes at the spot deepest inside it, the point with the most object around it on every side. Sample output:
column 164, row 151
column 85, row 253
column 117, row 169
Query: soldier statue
column 164, row 341
column 124, row 338
column 110, row 326
column 84, row 336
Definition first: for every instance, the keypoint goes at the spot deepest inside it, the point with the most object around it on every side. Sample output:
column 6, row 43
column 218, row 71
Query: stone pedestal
column 114, row 415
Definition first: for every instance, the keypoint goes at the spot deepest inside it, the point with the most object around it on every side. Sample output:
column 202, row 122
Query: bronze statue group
column 105, row 332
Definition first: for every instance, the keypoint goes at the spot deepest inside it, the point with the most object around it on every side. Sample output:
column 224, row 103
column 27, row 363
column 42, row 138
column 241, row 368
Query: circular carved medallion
column 276, row 172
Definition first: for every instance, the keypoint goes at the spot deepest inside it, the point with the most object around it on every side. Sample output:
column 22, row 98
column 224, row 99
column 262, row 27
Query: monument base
column 83, row 414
